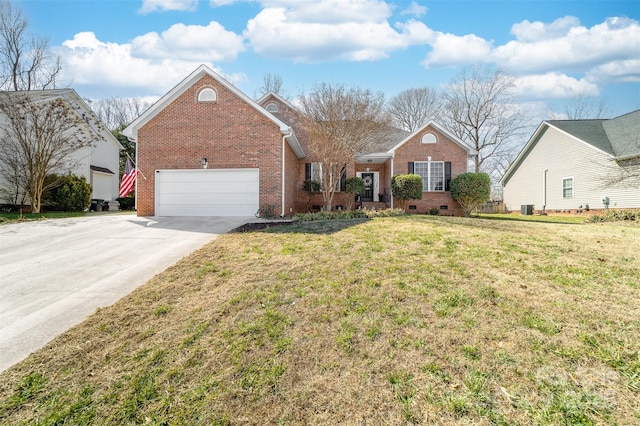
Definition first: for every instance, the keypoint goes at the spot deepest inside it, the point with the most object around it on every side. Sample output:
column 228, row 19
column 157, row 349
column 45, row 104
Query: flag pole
column 135, row 165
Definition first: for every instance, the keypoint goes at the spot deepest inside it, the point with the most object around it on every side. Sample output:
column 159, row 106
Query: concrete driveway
column 55, row 273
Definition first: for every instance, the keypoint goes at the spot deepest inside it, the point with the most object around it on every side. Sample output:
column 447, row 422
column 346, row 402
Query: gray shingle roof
column 619, row 136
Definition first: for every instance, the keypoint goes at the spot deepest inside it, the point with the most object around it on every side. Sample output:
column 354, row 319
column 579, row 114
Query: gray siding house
column 573, row 164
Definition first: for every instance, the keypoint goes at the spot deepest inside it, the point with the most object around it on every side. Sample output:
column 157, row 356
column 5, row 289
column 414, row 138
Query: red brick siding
column 229, row 133
column 444, row 150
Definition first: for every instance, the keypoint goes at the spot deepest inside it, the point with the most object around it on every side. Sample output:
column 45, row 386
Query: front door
column 368, row 186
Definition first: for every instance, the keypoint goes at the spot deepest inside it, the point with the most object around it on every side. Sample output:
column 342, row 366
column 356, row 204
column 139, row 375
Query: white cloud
column 578, row 48
column 414, row 9
column 149, row 6
column 451, row 50
column 526, row 31
column 89, row 62
column 553, row 85
column 626, row 71
column 546, row 54
column 353, row 30
column 190, row 42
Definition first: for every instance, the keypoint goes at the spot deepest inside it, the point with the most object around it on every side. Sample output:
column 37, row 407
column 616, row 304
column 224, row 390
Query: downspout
column 135, row 201
column 544, row 207
column 283, row 171
column 391, row 198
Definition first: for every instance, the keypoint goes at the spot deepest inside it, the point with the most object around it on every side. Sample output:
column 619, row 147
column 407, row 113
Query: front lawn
column 399, row 320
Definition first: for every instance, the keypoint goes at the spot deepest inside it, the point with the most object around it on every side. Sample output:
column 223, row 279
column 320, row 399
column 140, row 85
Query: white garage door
column 204, row 192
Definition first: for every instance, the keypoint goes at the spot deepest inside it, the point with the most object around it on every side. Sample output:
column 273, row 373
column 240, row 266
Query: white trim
column 131, row 131
column 470, row 150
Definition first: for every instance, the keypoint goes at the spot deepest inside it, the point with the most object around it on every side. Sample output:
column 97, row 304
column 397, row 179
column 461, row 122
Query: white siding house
column 573, row 164
column 99, row 163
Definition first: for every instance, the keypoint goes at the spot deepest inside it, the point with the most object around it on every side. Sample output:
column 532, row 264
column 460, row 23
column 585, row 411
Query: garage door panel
column 207, row 192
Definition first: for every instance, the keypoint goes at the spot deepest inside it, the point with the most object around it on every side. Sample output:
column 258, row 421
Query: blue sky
column 142, row 48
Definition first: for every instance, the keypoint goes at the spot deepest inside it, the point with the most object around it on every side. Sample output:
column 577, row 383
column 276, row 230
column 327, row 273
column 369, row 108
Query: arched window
column 272, row 107
column 429, row 138
column 207, row 95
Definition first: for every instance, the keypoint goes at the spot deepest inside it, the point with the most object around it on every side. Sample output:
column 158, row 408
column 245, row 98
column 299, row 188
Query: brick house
column 207, row 149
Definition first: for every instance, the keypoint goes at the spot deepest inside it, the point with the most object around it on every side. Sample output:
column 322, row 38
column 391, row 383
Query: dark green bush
column 471, row 190
column 406, row 187
column 354, row 185
column 311, row 186
column 127, row 203
column 70, row 194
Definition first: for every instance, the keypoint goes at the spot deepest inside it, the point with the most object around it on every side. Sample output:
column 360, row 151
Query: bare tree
column 39, row 137
column 480, row 110
column 25, row 60
column 582, row 108
column 117, row 112
column 340, row 123
column 413, row 108
column 272, row 83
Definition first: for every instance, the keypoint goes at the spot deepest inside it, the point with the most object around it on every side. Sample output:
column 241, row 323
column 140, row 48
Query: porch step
column 369, row 205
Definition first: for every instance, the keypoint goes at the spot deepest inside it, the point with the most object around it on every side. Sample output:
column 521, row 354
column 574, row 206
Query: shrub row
column 615, row 215
column 347, row 214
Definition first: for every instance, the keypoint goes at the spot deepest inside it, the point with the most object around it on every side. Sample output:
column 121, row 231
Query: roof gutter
column 284, row 151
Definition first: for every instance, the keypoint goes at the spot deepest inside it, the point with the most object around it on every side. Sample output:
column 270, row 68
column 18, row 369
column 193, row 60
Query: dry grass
column 423, row 320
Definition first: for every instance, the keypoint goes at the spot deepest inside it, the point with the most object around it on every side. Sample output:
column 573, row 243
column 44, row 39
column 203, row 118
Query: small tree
column 406, row 187
column 340, row 123
column 43, row 137
column 354, row 186
column 470, row 190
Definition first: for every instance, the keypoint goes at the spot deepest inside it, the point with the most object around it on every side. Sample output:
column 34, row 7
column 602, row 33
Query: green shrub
column 71, row 193
column 127, row 203
column 471, row 190
column 406, row 187
column 354, row 186
column 311, row 186
column 347, row 214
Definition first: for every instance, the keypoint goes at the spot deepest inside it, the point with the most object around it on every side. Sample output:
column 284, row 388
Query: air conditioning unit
column 526, row 209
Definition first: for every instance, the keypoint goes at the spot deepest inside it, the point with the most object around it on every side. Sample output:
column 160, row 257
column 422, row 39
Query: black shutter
column 447, row 175
column 410, row 168
column 307, row 171
column 343, row 179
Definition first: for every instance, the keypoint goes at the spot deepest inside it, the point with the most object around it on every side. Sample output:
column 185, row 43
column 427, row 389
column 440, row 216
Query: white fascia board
column 471, row 150
column 131, row 131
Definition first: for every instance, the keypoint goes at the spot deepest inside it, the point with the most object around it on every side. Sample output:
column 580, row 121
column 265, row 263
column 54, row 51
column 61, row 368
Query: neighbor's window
column 272, row 107
column 207, row 95
column 567, row 187
column 432, row 174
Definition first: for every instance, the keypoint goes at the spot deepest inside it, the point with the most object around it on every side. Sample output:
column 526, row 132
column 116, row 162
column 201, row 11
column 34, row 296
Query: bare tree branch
column 25, row 61
column 479, row 109
column 413, row 108
column 118, row 112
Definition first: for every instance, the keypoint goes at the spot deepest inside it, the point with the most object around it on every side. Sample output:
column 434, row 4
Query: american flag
column 128, row 179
